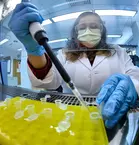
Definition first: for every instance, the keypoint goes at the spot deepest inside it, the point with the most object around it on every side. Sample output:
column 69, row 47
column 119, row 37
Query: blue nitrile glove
column 118, row 94
column 23, row 15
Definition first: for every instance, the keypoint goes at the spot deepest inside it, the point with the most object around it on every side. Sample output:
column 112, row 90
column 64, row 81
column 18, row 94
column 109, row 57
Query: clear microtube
column 19, row 114
column 32, row 117
column 47, row 112
column 58, row 102
column 61, row 105
column 43, row 100
column 7, row 101
column 18, row 105
column 63, row 126
column 22, row 99
column 69, row 115
column 94, row 116
column 30, row 109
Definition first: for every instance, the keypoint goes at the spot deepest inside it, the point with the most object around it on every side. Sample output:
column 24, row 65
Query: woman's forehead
column 89, row 19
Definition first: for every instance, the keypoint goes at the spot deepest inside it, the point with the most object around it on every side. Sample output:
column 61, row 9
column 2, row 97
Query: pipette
column 39, row 35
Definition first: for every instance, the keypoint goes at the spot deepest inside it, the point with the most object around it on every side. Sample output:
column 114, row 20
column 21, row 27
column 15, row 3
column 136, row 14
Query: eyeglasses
column 81, row 28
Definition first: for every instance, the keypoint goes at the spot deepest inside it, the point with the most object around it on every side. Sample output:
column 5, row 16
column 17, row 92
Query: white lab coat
column 88, row 79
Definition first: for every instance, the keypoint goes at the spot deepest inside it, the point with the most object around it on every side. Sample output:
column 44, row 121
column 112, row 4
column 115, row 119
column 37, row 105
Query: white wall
column 1, row 8
column 135, row 38
column 25, row 82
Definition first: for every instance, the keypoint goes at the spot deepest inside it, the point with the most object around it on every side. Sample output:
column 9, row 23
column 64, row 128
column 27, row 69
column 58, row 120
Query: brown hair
column 73, row 43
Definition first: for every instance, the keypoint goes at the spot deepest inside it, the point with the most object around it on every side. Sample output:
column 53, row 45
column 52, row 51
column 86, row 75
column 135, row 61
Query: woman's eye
column 94, row 26
column 81, row 27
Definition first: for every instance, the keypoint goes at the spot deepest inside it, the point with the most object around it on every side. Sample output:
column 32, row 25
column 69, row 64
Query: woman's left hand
column 118, row 94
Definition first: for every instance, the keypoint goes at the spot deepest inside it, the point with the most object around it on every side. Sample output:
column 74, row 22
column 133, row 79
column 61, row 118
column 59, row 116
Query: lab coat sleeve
column 130, row 69
column 52, row 80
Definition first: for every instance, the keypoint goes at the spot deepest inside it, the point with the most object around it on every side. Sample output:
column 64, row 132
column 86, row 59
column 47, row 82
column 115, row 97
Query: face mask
column 90, row 38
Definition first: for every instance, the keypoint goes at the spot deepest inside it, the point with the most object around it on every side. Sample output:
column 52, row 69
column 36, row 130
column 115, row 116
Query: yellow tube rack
column 42, row 131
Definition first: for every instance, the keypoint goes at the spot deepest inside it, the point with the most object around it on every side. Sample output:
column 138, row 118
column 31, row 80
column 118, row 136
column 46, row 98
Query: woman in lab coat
column 92, row 64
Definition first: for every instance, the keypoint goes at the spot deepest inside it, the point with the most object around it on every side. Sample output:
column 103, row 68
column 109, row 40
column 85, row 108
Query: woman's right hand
column 23, row 15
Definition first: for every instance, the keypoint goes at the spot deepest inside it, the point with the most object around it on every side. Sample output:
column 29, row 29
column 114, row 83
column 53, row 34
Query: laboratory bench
column 126, row 132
